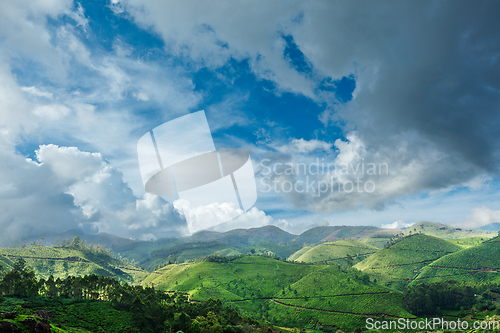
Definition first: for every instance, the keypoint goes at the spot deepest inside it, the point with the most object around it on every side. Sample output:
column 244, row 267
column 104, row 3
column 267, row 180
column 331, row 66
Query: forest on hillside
column 102, row 304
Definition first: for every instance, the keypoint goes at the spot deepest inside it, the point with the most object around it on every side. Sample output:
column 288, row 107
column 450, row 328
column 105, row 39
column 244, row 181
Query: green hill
column 287, row 294
column 337, row 252
column 468, row 242
column 447, row 232
column 189, row 251
column 264, row 239
column 300, row 252
column 381, row 237
column 398, row 265
column 182, row 252
column 269, row 249
column 332, row 233
column 473, row 265
column 241, row 240
column 244, row 237
column 62, row 262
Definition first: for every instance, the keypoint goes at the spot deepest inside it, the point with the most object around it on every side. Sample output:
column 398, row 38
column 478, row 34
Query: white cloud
column 37, row 92
column 206, row 216
column 480, row 216
column 211, row 35
column 253, row 218
column 52, row 111
column 306, row 146
column 79, row 17
column 71, row 189
column 396, row 225
column 141, row 96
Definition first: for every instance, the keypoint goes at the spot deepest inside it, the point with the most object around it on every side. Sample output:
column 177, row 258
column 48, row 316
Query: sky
column 353, row 113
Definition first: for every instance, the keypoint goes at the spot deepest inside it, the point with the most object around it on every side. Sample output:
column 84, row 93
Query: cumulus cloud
column 399, row 224
column 480, row 216
column 70, row 189
column 76, row 96
column 253, row 218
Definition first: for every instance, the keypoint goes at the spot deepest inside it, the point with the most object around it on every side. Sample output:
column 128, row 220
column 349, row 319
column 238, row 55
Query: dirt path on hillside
column 302, row 297
column 482, row 269
column 441, row 276
column 399, row 265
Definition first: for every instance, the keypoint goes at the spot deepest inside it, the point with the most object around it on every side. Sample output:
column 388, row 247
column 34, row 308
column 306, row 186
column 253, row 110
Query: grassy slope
column 282, row 291
column 300, row 252
column 267, row 238
column 319, row 234
column 447, row 232
column 468, row 242
column 380, row 238
column 62, row 262
column 184, row 252
column 337, row 252
column 473, row 265
column 189, row 251
column 397, row 265
column 280, row 250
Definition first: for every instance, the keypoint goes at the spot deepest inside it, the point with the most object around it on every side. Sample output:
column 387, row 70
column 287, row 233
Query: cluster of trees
column 432, row 298
column 78, row 244
column 393, row 240
column 152, row 310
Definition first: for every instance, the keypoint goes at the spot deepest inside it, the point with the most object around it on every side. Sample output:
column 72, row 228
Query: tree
column 76, row 242
column 19, row 265
column 349, row 260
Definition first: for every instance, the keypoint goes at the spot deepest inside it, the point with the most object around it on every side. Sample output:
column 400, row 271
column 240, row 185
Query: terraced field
column 300, row 252
column 399, row 264
column 339, row 252
column 447, row 232
column 468, row 242
column 63, row 262
column 480, row 264
column 290, row 294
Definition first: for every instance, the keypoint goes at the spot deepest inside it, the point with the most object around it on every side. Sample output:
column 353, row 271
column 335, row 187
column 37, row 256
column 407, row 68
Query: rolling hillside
column 398, row 265
column 263, row 240
column 381, row 237
column 337, row 252
column 63, row 262
column 473, row 265
column 228, row 242
column 333, row 233
column 447, row 232
column 468, row 242
column 300, row 252
column 267, row 238
column 182, row 252
column 286, row 293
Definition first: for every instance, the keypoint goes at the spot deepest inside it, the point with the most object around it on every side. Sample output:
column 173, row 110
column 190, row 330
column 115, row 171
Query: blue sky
column 412, row 86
